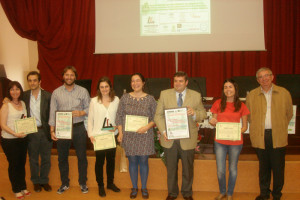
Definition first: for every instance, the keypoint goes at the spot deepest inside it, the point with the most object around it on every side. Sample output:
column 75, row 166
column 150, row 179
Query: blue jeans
column 233, row 152
column 134, row 163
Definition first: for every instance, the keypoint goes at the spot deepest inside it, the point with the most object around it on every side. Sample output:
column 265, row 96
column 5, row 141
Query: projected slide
column 174, row 17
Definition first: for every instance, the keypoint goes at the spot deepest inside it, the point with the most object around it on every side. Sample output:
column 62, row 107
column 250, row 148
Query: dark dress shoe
column 188, row 198
column 170, row 198
column 102, row 191
column 113, row 187
column 260, row 197
column 145, row 194
column 133, row 193
column 47, row 187
column 37, row 187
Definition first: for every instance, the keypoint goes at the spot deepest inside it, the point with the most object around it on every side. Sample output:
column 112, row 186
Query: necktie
column 179, row 102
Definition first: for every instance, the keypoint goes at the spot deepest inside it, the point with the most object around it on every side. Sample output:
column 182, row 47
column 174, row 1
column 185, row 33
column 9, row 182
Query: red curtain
column 65, row 33
column 282, row 40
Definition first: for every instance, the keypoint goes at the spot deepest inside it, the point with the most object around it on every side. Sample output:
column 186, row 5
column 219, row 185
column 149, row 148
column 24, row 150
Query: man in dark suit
column 180, row 96
column 37, row 103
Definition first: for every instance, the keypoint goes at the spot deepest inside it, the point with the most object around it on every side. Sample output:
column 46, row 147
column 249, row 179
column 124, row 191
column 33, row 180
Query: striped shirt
column 63, row 100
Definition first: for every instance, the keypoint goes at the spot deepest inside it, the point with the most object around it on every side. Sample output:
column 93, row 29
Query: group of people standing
column 268, row 109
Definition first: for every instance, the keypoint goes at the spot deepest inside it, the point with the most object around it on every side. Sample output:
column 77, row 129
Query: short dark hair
column 10, row 86
column 181, row 74
column 111, row 91
column 70, row 68
column 34, row 73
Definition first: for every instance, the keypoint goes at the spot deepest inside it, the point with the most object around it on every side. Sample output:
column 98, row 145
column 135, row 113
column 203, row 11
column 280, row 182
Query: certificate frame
column 26, row 125
column 134, row 122
column 177, row 124
column 104, row 141
column 225, row 127
column 64, row 125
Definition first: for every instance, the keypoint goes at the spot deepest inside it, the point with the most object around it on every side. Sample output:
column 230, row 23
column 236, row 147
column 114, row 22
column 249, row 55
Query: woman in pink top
column 228, row 109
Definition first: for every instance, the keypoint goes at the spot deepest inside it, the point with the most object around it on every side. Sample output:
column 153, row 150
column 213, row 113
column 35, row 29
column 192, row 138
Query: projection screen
column 231, row 25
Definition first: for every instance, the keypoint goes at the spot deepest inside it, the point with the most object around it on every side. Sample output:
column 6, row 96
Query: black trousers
column 110, row 155
column 63, row 147
column 271, row 159
column 16, row 151
column 173, row 154
column 39, row 146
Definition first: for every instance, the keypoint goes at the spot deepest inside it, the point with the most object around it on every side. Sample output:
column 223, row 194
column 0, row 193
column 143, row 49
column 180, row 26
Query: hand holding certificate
column 228, row 131
column 177, row 125
column 134, row 122
column 26, row 125
column 104, row 141
column 63, row 124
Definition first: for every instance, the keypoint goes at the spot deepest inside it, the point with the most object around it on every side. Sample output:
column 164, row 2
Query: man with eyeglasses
column 271, row 109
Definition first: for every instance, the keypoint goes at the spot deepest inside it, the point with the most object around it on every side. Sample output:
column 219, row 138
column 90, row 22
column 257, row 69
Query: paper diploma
column 27, row 125
column 105, row 141
column 177, row 125
column 134, row 122
column 228, row 131
column 63, row 124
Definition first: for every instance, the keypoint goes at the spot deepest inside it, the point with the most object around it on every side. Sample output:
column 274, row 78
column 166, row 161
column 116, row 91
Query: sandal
column 133, row 193
column 145, row 194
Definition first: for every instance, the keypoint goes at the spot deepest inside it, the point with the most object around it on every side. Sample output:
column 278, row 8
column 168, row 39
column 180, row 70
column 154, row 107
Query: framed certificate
column 177, row 124
column 63, row 124
column 134, row 122
column 105, row 141
column 26, row 125
column 228, row 131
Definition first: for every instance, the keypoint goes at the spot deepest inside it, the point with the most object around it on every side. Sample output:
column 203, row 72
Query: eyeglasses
column 264, row 76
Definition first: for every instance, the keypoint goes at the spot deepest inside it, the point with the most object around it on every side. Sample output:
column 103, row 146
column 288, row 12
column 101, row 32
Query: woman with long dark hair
column 14, row 144
column 102, row 113
column 138, row 144
column 228, row 109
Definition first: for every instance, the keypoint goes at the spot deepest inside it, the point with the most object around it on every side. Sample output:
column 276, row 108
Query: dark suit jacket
column 45, row 109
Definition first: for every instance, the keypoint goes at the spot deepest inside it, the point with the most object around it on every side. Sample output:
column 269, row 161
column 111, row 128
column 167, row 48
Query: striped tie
column 179, row 102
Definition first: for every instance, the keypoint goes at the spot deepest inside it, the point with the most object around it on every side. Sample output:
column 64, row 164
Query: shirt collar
column 72, row 88
column 38, row 94
column 269, row 92
column 183, row 92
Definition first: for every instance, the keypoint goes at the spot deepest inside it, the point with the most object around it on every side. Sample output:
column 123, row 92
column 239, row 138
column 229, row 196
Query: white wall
column 18, row 55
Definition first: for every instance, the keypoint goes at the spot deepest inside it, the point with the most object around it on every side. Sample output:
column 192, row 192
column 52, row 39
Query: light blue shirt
column 183, row 97
column 35, row 108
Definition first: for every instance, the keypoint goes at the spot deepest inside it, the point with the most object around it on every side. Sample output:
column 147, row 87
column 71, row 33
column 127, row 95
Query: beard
column 69, row 84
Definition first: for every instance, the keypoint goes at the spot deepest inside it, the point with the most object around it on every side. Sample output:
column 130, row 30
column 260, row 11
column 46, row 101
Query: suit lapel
column 27, row 102
column 42, row 103
column 173, row 99
column 186, row 98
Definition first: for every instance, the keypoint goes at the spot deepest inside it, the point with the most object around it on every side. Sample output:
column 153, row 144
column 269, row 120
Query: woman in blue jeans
column 138, row 142
column 228, row 109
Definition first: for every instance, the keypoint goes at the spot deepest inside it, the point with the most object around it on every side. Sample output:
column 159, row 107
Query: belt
column 77, row 124
column 40, row 127
column 268, row 130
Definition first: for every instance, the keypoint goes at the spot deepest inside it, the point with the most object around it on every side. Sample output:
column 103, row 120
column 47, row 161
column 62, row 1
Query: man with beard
column 71, row 97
